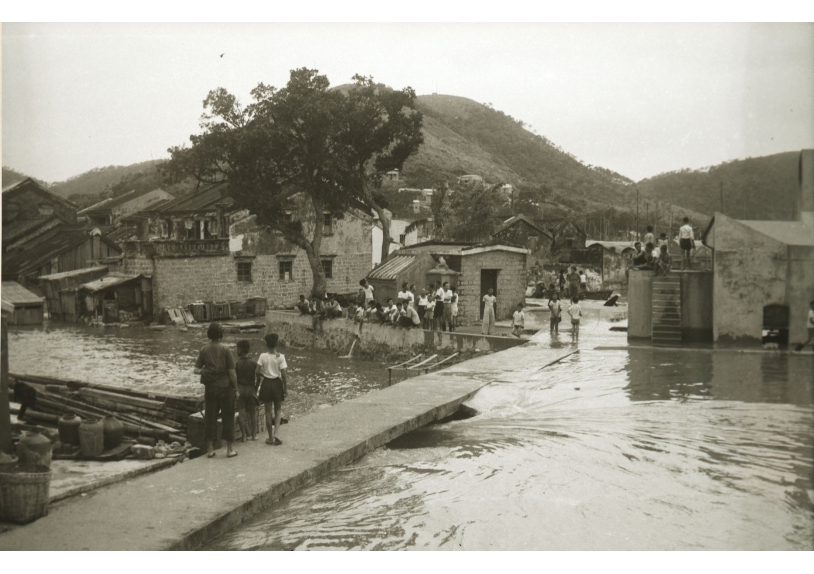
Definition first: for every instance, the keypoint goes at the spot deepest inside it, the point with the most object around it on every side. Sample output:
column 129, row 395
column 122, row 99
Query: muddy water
column 637, row 449
column 162, row 361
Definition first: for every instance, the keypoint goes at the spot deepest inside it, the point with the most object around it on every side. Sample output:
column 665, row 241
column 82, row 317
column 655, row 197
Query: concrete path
column 183, row 507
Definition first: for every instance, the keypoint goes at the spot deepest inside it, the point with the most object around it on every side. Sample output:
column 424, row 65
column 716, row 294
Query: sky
column 639, row 99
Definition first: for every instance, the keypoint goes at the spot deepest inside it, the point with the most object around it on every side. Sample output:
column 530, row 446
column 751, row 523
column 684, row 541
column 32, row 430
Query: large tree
column 303, row 143
column 383, row 130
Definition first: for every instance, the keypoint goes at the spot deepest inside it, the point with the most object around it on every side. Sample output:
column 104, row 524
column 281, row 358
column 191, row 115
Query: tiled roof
column 202, row 200
column 394, row 265
column 20, row 227
column 16, row 294
column 122, row 233
column 520, row 217
column 42, row 189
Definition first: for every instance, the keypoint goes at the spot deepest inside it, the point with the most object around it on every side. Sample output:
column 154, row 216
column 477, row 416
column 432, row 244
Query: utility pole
column 637, row 214
column 722, row 197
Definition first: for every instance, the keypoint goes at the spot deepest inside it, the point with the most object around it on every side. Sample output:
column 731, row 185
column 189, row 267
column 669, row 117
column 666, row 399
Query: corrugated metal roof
column 74, row 273
column 392, row 267
column 108, row 282
column 206, row 199
column 16, row 294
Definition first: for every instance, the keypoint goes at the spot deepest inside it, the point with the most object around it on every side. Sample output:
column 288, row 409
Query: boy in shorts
column 518, row 321
column 247, row 401
column 271, row 369
column 576, row 313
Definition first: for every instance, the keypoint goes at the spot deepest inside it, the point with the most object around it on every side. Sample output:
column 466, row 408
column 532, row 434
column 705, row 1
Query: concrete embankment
column 191, row 503
column 378, row 340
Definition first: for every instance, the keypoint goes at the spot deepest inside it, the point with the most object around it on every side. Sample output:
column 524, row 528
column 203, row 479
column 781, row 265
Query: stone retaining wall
column 377, row 340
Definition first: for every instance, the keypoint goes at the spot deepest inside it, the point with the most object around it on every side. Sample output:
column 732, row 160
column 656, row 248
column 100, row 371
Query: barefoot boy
column 576, row 313
column 247, row 401
column 518, row 321
column 271, row 369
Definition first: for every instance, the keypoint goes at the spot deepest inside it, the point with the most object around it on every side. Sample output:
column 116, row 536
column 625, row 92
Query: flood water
column 638, row 449
column 608, row 449
column 162, row 361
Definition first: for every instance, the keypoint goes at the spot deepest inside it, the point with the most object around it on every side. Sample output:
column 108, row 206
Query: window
column 288, row 216
column 328, row 268
column 402, row 238
column 286, row 270
column 244, row 272
column 569, row 243
column 327, row 224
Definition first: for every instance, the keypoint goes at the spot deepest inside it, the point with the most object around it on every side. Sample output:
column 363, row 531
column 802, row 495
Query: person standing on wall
column 686, row 240
column 216, row 366
column 368, row 289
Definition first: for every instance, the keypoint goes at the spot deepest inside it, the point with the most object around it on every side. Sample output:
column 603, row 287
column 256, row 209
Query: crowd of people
column 656, row 255
column 431, row 307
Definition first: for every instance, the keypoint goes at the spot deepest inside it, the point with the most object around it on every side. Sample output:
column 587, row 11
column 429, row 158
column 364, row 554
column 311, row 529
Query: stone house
column 763, row 271
column 479, row 267
column 201, row 248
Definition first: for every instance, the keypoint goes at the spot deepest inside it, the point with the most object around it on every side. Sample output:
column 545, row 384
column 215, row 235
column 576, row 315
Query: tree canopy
column 323, row 148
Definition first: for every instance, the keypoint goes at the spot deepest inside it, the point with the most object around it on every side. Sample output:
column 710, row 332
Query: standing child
column 810, row 325
column 247, row 401
column 686, row 240
column 555, row 307
column 273, row 386
column 454, row 308
column 576, row 312
column 518, row 321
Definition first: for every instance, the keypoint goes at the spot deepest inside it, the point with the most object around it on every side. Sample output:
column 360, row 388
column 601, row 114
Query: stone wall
column 511, row 283
column 178, row 281
column 377, row 340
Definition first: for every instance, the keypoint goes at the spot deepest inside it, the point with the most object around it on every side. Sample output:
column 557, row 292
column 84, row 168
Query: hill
column 12, row 176
column 753, row 188
column 463, row 137
column 100, row 181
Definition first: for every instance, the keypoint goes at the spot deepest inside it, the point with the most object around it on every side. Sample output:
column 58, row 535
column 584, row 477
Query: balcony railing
column 171, row 248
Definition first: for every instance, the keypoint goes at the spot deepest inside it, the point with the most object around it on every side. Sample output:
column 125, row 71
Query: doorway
column 488, row 280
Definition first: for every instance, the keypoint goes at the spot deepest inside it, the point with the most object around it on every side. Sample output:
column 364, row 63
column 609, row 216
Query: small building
column 392, row 175
column 479, row 267
column 60, row 290
column 115, row 298
column 110, row 211
column 399, row 268
column 566, row 235
column 470, row 179
column 27, row 307
column 764, row 270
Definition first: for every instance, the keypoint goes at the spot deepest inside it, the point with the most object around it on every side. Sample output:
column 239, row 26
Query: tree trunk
column 385, row 221
column 319, row 287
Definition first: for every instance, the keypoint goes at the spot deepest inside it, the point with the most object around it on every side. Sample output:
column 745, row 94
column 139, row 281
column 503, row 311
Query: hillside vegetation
column 101, row 180
column 753, row 188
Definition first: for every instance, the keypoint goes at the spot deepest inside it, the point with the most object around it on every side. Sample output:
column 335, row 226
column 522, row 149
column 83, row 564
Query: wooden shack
column 28, row 307
column 114, row 298
column 60, row 291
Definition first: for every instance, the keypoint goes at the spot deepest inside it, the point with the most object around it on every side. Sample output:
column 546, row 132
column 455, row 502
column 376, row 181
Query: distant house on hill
column 392, row 175
column 470, row 179
column 110, row 211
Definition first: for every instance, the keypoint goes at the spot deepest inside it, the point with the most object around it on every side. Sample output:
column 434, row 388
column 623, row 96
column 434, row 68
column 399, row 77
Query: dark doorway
column 488, row 280
column 776, row 324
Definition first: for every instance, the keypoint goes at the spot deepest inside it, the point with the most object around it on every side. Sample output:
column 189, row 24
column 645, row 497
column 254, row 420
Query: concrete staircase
column 666, row 310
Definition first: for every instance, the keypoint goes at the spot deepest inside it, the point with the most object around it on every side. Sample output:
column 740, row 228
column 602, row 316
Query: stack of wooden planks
column 143, row 414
